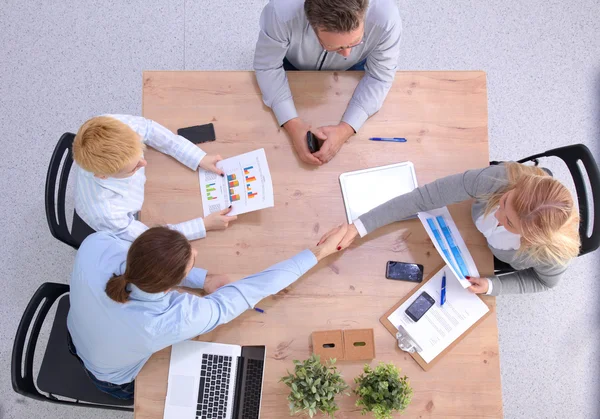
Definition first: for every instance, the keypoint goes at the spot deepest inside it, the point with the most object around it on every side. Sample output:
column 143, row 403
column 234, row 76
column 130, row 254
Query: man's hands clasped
column 332, row 136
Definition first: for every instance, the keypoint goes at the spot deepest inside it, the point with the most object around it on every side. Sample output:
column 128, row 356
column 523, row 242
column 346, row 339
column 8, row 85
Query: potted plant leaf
column 314, row 387
column 382, row 391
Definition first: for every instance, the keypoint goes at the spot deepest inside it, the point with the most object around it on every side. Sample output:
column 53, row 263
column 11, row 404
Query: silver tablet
column 366, row 189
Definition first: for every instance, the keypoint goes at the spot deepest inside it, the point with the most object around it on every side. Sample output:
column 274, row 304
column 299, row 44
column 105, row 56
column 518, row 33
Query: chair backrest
column 22, row 371
column 56, row 191
column 572, row 155
column 58, row 368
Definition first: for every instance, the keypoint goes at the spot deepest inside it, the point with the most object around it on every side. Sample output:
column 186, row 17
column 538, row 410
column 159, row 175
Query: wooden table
column 444, row 117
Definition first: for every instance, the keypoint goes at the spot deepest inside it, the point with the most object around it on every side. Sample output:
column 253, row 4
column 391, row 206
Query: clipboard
column 392, row 329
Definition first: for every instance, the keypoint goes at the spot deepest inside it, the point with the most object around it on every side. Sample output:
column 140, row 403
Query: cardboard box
column 328, row 344
column 344, row 345
column 359, row 344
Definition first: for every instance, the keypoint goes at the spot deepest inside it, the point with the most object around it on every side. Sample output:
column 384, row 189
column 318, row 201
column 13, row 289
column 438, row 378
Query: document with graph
column 449, row 243
column 246, row 186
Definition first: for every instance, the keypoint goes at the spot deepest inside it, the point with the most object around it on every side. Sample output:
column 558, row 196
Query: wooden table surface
column 444, row 117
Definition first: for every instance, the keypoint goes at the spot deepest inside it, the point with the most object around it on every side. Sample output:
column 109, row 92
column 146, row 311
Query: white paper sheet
column 441, row 326
column 449, row 244
column 247, row 185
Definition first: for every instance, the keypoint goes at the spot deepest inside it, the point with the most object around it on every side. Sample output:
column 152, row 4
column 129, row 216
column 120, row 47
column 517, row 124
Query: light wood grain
column 444, row 117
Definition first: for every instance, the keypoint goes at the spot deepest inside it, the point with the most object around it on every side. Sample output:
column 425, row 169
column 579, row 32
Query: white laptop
column 214, row 381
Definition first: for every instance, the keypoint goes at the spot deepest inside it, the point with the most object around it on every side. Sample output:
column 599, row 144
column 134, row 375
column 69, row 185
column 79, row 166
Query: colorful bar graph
column 252, row 194
column 210, row 189
column 235, row 198
column 234, row 183
column 210, row 184
column 231, row 177
column 248, row 187
column 250, row 178
column 231, row 191
column 246, row 169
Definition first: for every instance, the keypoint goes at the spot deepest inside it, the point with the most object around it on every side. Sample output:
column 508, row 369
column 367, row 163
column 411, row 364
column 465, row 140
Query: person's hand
column 219, row 220
column 297, row 130
column 335, row 136
column 330, row 244
column 478, row 285
column 347, row 239
column 209, row 162
column 215, row 281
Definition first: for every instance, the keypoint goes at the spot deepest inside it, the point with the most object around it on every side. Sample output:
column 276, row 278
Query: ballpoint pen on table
column 391, row 139
column 260, row 310
column 443, row 296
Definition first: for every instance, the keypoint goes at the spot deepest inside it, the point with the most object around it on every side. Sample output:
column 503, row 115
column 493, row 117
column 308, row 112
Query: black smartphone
column 198, row 134
column 419, row 307
column 401, row 271
column 313, row 142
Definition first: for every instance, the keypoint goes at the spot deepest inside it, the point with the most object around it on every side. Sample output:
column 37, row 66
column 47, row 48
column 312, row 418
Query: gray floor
column 63, row 62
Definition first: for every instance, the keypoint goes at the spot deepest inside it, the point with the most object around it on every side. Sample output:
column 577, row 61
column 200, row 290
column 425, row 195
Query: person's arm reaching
column 441, row 192
column 445, row 191
column 226, row 303
column 162, row 139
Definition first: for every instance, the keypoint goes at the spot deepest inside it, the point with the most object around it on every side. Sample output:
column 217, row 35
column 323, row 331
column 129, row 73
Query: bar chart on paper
column 247, row 185
column 449, row 243
column 211, row 191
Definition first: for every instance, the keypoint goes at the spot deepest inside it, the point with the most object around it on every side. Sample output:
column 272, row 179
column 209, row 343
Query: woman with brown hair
column 528, row 218
column 127, row 301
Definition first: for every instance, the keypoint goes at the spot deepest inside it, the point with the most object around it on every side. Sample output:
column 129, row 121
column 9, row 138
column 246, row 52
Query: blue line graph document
column 449, row 243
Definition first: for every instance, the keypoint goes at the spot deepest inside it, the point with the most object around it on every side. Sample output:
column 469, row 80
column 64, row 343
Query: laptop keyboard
column 252, row 391
column 214, row 387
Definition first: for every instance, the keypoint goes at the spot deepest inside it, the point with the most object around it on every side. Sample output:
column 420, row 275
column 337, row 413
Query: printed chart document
column 449, row 243
column 247, row 184
column 441, row 325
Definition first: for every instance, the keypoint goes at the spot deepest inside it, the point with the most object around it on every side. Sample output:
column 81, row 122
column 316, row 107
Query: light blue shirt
column 111, row 204
column 115, row 340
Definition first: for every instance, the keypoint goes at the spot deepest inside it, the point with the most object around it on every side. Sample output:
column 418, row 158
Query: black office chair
column 61, row 374
column 571, row 155
column 55, row 199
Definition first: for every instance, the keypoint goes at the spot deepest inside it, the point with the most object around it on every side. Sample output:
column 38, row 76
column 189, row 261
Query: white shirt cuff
column 192, row 229
column 360, row 227
column 355, row 116
column 284, row 111
column 490, row 287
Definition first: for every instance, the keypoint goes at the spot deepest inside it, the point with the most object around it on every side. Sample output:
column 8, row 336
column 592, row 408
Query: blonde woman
column 529, row 219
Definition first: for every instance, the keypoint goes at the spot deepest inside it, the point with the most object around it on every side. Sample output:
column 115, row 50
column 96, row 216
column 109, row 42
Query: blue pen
column 392, row 139
column 260, row 310
column 443, row 297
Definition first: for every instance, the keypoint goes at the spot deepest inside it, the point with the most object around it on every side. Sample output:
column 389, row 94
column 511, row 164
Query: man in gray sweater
column 327, row 35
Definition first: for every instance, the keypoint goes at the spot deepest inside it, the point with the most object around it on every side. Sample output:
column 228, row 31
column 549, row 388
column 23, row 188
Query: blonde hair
column 104, row 145
column 548, row 215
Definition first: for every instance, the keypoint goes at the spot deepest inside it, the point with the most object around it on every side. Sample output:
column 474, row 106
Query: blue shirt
column 111, row 204
column 115, row 340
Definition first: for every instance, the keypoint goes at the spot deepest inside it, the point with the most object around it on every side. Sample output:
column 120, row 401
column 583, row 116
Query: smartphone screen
column 420, row 306
column 401, row 271
column 198, row 134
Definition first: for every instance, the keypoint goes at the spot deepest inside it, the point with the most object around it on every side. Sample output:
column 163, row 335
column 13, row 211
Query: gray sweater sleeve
column 525, row 281
column 380, row 72
column 271, row 47
column 439, row 193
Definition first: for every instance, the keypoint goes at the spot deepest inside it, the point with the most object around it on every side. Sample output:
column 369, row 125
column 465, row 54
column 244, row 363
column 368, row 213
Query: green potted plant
column 382, row 391
column 314, row 387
